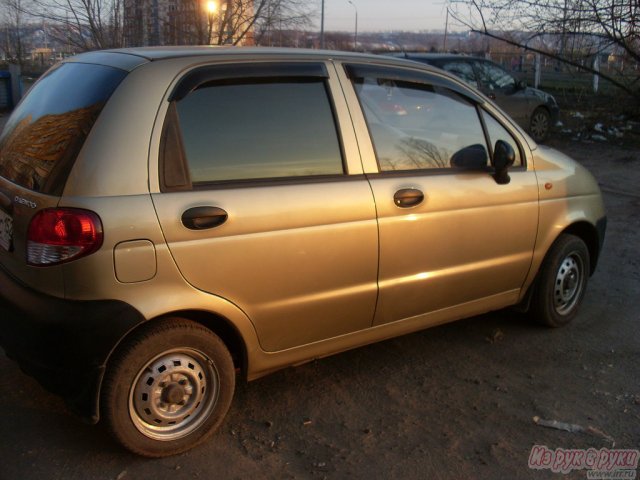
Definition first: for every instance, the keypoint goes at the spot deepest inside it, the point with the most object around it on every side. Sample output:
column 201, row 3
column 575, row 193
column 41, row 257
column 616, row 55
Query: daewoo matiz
column 171, row 219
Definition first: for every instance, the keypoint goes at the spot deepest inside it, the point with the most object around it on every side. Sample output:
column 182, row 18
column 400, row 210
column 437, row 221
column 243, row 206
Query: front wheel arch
column 589, row 235
column 561, row 282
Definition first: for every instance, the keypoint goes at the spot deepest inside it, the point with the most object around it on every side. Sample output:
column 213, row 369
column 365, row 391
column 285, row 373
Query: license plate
column 6, row 230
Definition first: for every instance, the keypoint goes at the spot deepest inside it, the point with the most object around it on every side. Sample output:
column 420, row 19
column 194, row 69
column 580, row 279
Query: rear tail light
column 58, row 235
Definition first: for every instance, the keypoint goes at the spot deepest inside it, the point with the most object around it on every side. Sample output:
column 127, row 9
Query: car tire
column 562, row 282
column 540, row 124
column 168, row 388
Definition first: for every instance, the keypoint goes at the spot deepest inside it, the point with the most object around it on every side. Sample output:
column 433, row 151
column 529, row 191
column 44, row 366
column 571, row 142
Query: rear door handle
column 201, row 218
column 408, row 197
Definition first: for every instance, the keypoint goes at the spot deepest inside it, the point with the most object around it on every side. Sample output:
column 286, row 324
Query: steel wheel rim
column 539, row 125
column 569, row 283
column 173, row 394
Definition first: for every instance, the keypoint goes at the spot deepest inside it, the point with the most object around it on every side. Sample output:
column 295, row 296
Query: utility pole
column 446, row 29
column 355, row 36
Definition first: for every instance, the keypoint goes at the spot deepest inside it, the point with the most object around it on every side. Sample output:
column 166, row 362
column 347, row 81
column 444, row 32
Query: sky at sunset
column 383, row 15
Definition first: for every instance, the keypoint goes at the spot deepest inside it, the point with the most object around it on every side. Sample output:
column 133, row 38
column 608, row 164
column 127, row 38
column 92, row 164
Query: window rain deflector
column 360, row 71
column 247, row 71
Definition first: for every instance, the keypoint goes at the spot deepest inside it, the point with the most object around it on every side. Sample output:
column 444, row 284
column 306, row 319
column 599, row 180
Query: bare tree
column 204, row 22
column 582, row 29
column 255, row 21
column 280, row 16
column 196, row 22
column 83, row 24
column 11, row 37
column 420, row 153
column 237, row 20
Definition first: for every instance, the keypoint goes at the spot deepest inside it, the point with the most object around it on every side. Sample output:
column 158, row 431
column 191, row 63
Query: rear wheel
column 168, row 388
column 562, row 282
column 540, row 124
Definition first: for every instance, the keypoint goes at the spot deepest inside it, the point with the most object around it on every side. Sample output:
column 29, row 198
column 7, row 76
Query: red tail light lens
column 58, row 235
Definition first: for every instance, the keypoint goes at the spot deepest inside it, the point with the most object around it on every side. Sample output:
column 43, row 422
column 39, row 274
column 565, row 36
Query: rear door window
column 48, row 128
column 260, row 128
column 263, row 129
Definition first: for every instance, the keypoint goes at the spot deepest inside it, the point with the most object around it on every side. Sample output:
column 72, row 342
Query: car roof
column 437, row 56
column 130, row 58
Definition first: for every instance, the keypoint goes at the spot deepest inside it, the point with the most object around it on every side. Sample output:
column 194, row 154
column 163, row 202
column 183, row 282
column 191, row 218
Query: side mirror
column 521, row 84
column 503, row 158
column 473, row 157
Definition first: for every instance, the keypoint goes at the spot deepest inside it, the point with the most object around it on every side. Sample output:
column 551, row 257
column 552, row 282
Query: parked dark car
column 536, row 111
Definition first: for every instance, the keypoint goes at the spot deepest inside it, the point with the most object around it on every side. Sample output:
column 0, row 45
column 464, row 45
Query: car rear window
column 48, row 128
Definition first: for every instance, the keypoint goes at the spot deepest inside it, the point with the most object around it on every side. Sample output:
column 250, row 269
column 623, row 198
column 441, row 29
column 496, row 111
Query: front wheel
column 168, row 388
column 562, row 282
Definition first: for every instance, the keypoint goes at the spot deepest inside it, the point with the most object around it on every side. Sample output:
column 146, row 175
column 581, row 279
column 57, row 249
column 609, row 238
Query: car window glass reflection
column 259, row 129
column 498, row 132
column 417, row 126
column 45, row 132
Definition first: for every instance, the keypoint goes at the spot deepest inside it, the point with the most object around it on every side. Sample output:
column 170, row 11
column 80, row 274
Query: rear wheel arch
column 217, row 324
column 168, row 387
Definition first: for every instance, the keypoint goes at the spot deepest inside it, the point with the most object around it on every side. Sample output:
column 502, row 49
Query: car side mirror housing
column 473, row 157
column 503, row 158
column 521, row 84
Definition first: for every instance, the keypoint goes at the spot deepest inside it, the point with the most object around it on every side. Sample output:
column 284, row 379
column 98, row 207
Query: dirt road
column 456, row 401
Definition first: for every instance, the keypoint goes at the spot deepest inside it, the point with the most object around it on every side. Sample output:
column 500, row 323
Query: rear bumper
column 63, row 344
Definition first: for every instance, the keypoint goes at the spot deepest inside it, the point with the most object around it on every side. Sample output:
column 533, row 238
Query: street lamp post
column 355, row 36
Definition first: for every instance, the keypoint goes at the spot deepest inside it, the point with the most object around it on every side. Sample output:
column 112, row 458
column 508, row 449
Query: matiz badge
column 24, row 201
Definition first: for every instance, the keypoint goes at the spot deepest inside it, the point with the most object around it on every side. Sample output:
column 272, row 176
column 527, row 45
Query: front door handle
column 408, row 197
column 201, row 218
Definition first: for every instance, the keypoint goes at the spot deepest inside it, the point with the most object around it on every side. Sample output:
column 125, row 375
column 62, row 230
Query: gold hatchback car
column 174, row 218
